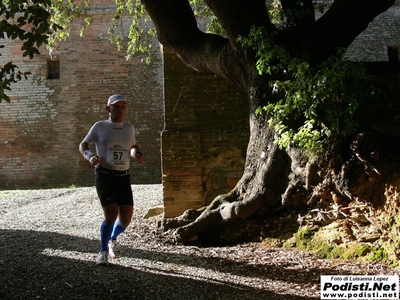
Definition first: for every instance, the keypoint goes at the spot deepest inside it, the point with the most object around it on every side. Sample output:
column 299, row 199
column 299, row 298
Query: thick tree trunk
column 255, row 191
column 266, row 175
column 351, row 181
column 272, row 177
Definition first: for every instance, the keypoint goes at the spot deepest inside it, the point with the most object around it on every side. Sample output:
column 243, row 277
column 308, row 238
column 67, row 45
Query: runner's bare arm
column 135, row 153
column 92, row 158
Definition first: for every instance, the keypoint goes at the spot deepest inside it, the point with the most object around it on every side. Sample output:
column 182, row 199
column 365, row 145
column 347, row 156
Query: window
column 393, row 53
column 53, row 68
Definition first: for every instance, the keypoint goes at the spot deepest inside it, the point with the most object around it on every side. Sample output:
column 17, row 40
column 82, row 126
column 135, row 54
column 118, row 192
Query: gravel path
column 49, row 241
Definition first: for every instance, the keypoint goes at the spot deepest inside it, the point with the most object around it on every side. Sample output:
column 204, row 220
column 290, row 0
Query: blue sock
column 117, row 230
column 105, row 236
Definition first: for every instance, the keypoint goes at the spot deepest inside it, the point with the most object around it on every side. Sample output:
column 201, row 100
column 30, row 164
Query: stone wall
column 42, row 126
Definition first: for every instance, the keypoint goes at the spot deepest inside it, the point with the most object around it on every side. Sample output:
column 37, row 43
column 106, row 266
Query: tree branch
column 337, row 28
column 174, row 20
column 299, row 13
column 238, row 16
column 177, row 29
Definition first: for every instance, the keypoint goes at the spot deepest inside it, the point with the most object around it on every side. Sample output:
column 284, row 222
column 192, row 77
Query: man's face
column 117, row 111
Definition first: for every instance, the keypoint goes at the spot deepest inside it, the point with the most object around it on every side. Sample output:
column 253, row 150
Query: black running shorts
column 113, row 189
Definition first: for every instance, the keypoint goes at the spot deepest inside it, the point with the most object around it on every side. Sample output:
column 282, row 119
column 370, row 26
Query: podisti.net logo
column 359, row 287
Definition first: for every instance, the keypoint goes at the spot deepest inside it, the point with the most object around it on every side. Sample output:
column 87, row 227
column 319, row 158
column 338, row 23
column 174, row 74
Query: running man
column 115, row 143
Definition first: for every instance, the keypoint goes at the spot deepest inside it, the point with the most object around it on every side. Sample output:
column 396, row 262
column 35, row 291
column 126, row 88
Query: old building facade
column 51, row 111
column 180, row 118
column 192, row 128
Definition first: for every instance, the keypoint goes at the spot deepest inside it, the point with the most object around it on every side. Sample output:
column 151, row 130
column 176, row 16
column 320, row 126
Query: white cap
column 114, row 99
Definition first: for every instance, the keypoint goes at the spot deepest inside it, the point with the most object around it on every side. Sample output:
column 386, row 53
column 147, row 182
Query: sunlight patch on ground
column 76, row 255
column 176, row 270
column 150, row 266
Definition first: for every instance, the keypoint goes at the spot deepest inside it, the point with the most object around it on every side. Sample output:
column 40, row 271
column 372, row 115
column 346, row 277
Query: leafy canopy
column 318, row 98
column 46, row 22
column 321, row 100
column 28, row 21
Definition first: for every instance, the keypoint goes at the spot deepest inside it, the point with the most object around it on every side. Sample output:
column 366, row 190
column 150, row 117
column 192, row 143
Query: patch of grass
column 6, row 194
column 322, row 250
column 303, row 239
column 356, row 251
column 73, row 186
column 306, row 239
column 336, row 252
column 380, row 255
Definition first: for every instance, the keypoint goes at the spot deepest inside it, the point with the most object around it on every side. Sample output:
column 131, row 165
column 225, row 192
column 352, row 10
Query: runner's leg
column 110, row 215
column 124, row 219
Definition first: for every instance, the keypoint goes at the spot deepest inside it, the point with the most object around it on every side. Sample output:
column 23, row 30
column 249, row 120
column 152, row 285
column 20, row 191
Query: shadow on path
column 47, row 265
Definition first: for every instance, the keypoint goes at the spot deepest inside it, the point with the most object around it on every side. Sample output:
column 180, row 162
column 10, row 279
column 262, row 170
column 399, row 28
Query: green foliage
column 282, row 19
column 28, row 21
column 379, row 255
column 73, row 186
column 275, row 11
column 321, row 5
column 46, row 22
column 358, row 251
column 287, row 19
column 200, row 9
column 140, row 36
column 316, row 241
column 303, row 238
column 204, row 12
column 9, row 74
column 63, row 12
column 321, row 100
column 141, row 32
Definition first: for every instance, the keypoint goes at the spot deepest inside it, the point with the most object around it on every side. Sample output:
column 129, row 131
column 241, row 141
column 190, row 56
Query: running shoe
column 102, row 258
column 113, row 249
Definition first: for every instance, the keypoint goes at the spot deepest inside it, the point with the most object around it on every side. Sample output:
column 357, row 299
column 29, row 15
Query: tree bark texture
column 272, row 177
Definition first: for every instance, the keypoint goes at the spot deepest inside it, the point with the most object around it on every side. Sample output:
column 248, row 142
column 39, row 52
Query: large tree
column 289, row 64
column 273, row 175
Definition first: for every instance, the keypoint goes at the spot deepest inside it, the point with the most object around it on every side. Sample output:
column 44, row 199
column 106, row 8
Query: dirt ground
column 49, row 240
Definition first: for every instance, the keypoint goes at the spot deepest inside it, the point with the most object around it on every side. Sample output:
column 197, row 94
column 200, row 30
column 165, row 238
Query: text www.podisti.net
column 359, row 287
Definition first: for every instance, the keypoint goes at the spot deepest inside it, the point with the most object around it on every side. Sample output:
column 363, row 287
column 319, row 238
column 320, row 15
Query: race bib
column 117, row 155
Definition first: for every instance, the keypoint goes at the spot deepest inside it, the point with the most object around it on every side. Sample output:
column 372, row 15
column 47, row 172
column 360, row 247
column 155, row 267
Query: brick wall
column 205, row 137
column 206, row 123
column 372, row 44
column 42, row 126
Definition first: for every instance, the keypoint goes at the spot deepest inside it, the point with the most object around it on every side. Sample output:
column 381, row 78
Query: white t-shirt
column 113, row 143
